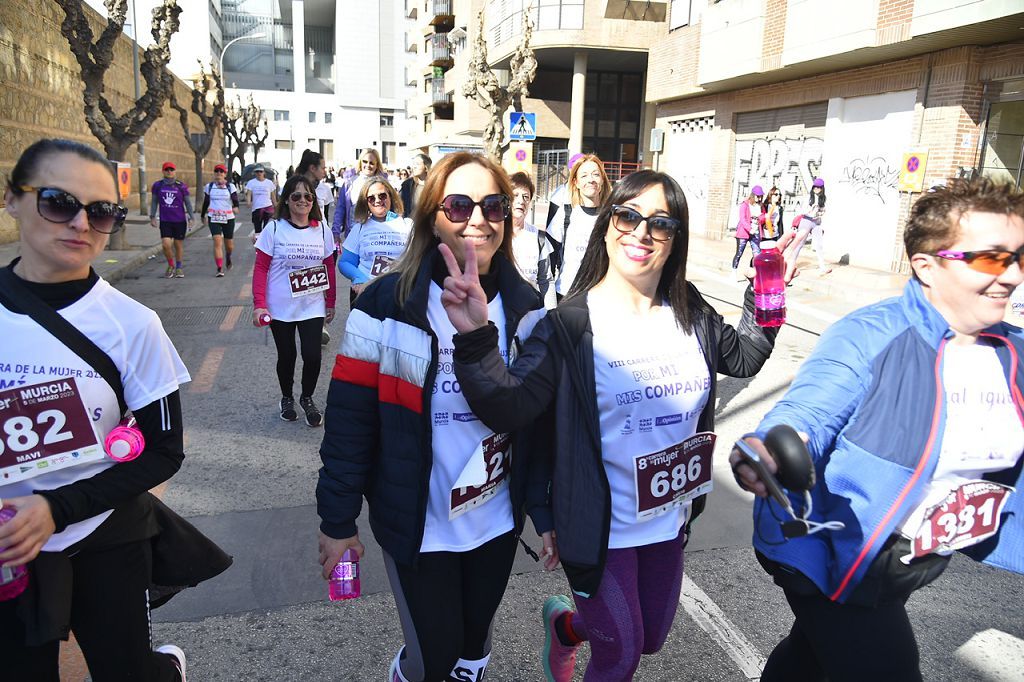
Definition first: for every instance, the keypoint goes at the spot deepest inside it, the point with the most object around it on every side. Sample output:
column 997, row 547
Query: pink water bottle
column 769, row 286
column 13, row 579
column 264, row 319
column 125, row 441
column 344, row 583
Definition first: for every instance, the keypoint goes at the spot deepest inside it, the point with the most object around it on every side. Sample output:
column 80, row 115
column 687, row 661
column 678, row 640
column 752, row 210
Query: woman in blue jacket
column 914, row 417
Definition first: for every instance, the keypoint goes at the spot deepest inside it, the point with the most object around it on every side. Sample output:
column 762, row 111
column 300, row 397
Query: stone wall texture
column 41, row 96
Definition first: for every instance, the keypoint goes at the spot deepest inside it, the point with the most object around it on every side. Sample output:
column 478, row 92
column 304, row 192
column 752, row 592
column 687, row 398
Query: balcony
column 411, row 8
column 441, row 12
column 412, row 42
column 438, row 96
column 440, row 51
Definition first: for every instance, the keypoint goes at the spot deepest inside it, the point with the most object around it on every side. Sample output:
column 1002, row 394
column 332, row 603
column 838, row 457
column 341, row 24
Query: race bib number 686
column 668, row 478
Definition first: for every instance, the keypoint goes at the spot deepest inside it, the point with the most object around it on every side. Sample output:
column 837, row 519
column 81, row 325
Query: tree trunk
column 200, row 192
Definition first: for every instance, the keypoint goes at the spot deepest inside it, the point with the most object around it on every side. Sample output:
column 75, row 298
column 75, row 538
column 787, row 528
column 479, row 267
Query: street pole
column 141, row 144
column 221, row 64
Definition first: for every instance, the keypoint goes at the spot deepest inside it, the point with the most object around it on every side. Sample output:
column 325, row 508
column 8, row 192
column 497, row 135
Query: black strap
column 11, row 288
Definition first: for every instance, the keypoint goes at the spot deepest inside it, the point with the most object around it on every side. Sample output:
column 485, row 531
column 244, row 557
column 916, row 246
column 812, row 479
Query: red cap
column 169, row 166
column 220, row 167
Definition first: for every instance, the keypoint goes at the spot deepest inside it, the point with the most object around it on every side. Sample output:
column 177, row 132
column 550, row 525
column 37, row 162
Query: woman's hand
column 257, row 313
column 358, row 288
column 463, row 298
column 25, row 534
column 550, row 552
column 329, row 315
column 331, row 550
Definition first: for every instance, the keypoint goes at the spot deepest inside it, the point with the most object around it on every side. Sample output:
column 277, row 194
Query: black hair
column 285, row 211
column 309, row 160
column 425, row 159
column 672, row 286
column 33, row 156
column 821, row 198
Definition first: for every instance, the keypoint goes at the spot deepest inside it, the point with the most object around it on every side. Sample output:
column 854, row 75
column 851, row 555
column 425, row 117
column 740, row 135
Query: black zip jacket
column 569, row 490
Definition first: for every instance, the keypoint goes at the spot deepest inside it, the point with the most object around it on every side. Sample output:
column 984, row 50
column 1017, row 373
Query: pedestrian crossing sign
column 522, row 126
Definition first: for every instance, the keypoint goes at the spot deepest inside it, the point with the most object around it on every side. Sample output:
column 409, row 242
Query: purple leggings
column 632, row 612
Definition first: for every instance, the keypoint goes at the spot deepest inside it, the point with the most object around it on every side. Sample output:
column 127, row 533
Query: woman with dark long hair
column 810, row 225
column 445, row 496
column 618, row 383
column 293, row 283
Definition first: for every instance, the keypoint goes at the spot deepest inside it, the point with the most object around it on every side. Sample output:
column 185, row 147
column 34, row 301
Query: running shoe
column 220, row 272
column 559, row 660
column 177, row 655
column 313, row 416
column 394, row 675
column 179, row 273
column 170, row 272
column 288, row 409
column 228, row 261
column 325, row 337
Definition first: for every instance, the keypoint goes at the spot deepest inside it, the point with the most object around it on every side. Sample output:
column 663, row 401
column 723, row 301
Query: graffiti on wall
column 791, row 164
column 872, row 176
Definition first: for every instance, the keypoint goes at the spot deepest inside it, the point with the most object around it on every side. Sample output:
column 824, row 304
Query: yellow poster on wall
column 912, row 170
column 124, row 179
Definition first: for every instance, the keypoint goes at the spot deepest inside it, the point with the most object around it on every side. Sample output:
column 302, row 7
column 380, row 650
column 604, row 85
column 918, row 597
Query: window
column 328, row 117
column 312, row 117
column 427, row 122
column 387, row 120
column 281, row 115
column 282, row 144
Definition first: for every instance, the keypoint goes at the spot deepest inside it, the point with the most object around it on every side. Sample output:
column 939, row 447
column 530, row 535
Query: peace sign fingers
column 463, row 298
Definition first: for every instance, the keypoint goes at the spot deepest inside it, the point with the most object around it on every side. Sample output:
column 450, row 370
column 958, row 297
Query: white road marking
column 995, row 655
column 710, row 618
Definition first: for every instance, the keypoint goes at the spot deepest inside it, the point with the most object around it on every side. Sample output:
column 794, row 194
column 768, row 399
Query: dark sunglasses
column 299, row 196
column 661, row 227
column 59, row 206
column 991, row 261
column 378, row 198
column 458, row 208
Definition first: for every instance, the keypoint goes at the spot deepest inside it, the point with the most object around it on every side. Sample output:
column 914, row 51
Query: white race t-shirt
column 575, row 245
column 33, row 359
column 460, row 441
column 261, row 190
column 529, row 252
column 324, row 196
column 292, row 249
column 652, row 383
column 378, row 243
column 983, row 431
column 221, row 208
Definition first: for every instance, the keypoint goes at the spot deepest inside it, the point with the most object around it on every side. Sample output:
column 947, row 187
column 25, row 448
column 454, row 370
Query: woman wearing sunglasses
column 293, row 282
column 84, row 522
column 445, row 496
column 772, row 215
column 378, row 237
column 914, row 417
column 368, row 167
column 626, row 370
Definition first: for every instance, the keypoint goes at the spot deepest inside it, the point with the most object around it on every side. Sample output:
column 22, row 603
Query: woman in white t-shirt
column 618, row 383
column 377, row 238
column 84, row 522
column 573, row 222
column 293, row 283
column 531, row 246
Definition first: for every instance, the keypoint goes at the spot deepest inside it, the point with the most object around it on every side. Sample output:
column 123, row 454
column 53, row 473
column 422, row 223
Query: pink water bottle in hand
column 344, row 582
column 769, row 286
column 13, row 579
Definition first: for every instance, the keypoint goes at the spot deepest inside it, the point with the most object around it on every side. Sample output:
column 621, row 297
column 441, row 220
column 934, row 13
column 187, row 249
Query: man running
column 171, row 196
column 262, row 197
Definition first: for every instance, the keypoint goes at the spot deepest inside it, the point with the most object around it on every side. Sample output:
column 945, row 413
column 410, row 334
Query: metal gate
column 551, row 174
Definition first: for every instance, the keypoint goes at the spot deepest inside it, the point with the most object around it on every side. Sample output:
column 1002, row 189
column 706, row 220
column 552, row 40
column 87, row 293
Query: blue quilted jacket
column 871, row 399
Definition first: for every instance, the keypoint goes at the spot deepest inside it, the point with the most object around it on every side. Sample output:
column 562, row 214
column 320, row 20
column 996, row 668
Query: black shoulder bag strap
column 49, row 319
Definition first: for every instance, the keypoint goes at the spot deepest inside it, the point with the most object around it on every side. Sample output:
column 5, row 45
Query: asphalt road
column 248, row 481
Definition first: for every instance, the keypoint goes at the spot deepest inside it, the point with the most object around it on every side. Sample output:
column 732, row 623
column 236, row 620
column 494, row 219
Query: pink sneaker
column 559, row 660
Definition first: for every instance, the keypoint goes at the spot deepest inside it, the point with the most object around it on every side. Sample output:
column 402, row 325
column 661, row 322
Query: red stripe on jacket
column 358, row 372
column 397, row 392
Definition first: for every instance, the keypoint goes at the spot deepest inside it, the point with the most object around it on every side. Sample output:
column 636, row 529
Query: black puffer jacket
column 377, row 425
column 572, row 493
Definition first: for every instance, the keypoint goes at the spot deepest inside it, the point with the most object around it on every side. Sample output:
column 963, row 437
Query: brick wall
column 41, row 96
column 774, row 34
column 894, row 17
column 672, row 64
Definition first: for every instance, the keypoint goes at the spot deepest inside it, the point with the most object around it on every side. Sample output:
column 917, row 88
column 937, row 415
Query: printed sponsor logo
column 628, row 397
column 464, row 417
column 440, row 419
column 668, row 419
column 646, row 425
column 627, row 428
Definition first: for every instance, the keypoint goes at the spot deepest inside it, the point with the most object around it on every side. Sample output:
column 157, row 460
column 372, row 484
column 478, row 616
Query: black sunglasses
column 377, row 198
column 59, row 206
column 661, row 227
column 458, row 208
column 299, row 196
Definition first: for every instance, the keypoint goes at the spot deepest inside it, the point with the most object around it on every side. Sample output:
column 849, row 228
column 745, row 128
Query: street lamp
column 232, row 42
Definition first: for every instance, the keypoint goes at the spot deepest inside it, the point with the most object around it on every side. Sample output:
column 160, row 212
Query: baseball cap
column 573, row 159
column 169, row 166
column 758, row 191
column 259, row 169
column 220, row 167
column 818, row 182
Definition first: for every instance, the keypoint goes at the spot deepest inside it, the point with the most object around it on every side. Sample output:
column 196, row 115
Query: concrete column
column 579, row 90
column 648, row 119
column 299, row 120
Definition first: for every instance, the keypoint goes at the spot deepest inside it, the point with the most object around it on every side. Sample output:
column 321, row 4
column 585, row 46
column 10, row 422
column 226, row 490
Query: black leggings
column 447, row 605
column 309, row 342
column 741, row 244
column 110, row 619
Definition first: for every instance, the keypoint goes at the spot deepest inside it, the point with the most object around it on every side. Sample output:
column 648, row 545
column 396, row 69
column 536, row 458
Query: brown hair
column 361, row 212
column 934, row 222
column 574, row 192
column 422, row 240
column 522, row 179
column 285, row 211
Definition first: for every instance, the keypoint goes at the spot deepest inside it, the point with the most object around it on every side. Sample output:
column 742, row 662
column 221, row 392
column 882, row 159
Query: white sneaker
column 395, row 672
column 177, row 654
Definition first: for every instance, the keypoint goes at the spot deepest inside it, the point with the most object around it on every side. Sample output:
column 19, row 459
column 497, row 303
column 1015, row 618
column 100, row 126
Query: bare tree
column 483, row 85
column 240, row 131
column 209, row 110
column 258, row 141
column 116, row 132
